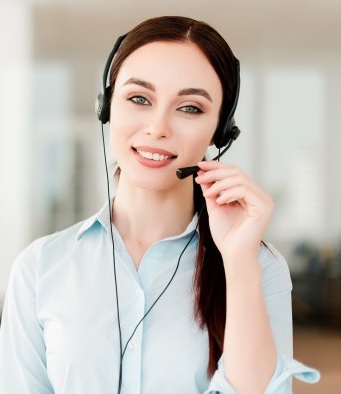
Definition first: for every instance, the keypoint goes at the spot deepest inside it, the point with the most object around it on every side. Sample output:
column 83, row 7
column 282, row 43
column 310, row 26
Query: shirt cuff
column 286, row 369
column 280, row 382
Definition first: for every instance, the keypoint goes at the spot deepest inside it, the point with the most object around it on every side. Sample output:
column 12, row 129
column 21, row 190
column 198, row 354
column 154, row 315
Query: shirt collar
column 103, row 218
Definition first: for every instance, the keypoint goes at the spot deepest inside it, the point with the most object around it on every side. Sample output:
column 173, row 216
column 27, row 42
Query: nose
column 159, row 125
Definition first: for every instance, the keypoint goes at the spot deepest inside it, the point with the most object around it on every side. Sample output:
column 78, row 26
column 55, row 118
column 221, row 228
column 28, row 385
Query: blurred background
column 51, row 164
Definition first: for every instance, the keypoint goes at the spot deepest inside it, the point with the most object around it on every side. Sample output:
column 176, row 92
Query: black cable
column 222, row 152
column 122, row 351
column 113, row 257
column 166, row 287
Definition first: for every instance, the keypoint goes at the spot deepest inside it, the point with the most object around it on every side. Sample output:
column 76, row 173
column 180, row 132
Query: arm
column 249, row 347
column 277, row 287
column 22, row 349
column 239, row 212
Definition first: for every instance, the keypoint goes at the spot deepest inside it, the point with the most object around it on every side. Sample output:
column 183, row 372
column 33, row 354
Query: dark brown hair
column 209, row 278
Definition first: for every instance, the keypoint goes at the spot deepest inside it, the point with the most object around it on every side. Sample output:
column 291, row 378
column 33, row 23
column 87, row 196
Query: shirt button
column 139, row 292
column 132, row 344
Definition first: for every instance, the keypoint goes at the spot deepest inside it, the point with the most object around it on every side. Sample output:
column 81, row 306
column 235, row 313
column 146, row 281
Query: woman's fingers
column 226, row 184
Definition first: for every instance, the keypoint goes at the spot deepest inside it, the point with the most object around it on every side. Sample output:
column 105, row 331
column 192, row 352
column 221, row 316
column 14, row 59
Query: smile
column 152, row 156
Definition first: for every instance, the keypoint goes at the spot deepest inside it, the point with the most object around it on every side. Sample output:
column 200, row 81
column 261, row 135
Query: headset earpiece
column 102, row 103
column 224, row 134
column 227, row 131
column 102, row 106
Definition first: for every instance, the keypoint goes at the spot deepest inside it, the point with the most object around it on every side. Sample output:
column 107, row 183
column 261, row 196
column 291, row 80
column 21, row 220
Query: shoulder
column 275, row 271
column 50, row 248
column 62, row 239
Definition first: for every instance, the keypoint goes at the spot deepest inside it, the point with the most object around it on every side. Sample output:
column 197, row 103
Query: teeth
column 152, row 156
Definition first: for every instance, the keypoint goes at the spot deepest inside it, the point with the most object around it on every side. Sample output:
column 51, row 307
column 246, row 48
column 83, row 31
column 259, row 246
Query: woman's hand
column 238, row 209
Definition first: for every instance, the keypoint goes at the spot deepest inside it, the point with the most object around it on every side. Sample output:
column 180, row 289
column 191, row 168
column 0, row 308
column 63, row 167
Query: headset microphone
column 184, row 172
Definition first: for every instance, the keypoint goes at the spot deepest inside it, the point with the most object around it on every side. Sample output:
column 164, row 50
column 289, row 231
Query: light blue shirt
column 59, row 330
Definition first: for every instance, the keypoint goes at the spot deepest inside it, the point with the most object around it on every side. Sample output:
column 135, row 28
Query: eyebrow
column 182, row 92
column 140, row 82
column 195, row 91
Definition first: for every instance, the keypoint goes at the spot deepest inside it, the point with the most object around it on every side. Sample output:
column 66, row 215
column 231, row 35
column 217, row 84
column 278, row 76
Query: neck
column 143, row 216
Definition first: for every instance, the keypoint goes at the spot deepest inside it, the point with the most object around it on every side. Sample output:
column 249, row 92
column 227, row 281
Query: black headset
column 227, row 131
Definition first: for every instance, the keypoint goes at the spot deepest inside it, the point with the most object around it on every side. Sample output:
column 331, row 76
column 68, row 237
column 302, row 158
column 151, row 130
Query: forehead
column 178, row 62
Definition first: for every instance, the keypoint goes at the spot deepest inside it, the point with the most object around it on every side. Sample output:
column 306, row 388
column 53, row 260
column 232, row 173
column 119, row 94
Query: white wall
column 15, row 148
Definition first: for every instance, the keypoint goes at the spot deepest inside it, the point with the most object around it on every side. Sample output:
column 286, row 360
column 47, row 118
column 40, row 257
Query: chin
column 157, row 182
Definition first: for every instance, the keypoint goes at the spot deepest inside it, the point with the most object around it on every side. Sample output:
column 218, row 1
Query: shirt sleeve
column 22, row 349
column 277, row 288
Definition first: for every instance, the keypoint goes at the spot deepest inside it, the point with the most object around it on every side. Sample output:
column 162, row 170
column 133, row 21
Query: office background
column 51, row 164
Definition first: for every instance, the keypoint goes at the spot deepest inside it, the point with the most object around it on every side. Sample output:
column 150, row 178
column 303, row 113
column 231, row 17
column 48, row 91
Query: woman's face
column 164, row 111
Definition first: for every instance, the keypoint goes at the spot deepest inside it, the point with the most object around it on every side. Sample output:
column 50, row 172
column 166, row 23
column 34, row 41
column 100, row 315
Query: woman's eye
column 191, row 109
column 140, row 100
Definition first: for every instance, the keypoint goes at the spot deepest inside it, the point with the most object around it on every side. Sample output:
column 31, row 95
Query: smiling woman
column 185, row 109
column 169, row 288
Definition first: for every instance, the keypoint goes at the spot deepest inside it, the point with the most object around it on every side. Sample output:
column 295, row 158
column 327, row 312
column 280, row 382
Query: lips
column 154, row 154
column 153, row 157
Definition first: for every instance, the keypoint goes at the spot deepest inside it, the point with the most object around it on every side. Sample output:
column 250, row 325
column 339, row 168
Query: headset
column 102, row 104
column 227, row 130
column 226, row 133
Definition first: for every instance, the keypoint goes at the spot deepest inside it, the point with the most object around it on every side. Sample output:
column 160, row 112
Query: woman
column 180, row 294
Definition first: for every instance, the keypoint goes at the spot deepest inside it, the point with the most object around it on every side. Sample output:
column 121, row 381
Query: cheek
column 117, row 136
column 196, row 145
column 202, row 133
column 121, row 126
column 124, row 122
